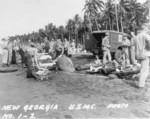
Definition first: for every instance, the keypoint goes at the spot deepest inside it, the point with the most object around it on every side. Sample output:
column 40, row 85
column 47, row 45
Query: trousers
column 126, row 56
column 106, row 54
column 144, row 71
column 132, row 55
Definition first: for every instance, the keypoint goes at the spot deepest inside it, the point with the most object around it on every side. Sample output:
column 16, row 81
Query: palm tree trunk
column 122, row 25
column 116, row 17
column 112, row 26
column 96, row 24
column 83, row 41
column 106, row 27
column 109, row 24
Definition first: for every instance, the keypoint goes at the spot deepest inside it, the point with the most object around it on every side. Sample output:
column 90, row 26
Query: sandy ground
column 102, row 97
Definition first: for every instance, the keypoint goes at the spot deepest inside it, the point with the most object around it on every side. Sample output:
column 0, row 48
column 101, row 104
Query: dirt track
column 66, row 89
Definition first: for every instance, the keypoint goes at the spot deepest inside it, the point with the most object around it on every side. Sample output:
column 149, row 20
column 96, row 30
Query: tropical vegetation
column 124, row 16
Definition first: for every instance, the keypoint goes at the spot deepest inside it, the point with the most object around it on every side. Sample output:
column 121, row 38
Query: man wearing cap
column 143, row 39
column 106, row 48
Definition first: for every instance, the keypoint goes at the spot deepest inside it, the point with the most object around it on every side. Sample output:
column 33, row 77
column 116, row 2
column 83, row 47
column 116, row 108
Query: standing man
column 143, row 39
column 106, row 49
column 59, row 47
column 66, row 47
column 46, row 46
column 125, row 46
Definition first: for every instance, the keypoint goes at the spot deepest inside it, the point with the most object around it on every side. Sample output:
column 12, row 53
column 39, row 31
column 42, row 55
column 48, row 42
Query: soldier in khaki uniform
column 106, row 49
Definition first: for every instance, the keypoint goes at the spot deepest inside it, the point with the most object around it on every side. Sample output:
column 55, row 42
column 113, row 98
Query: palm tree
column 61, row 31
column 123, row 10
column 135, row 13
column 87, row 24
column 77, row 21
column 51, row 31
column 108, row 18
column 42, row 33
column 92, row 9
column 116, row 13
column 82, row 30
column 69, row 28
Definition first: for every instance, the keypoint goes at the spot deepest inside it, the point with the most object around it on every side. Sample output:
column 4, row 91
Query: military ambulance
column 93, row 41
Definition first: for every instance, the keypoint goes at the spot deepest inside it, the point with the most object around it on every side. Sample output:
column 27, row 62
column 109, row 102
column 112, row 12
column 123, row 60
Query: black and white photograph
column 74, row 59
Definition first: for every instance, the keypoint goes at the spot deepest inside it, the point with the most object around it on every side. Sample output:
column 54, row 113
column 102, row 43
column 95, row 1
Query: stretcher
column 128, row 73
